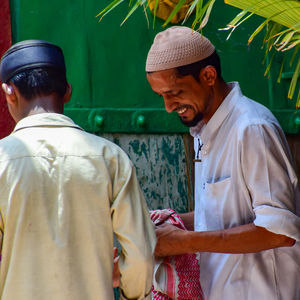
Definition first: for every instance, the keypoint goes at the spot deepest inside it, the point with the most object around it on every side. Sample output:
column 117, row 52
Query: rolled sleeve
column 277, row 220
column 271, row 180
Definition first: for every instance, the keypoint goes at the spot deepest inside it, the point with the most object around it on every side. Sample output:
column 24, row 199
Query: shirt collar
column 45, row 120
column 205, row 131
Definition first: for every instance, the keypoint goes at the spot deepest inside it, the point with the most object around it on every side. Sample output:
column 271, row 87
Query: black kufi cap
column 30, row 54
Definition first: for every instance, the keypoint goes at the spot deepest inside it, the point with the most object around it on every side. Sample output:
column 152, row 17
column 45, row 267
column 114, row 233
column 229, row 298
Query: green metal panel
column 106, row 63
column 162, row 167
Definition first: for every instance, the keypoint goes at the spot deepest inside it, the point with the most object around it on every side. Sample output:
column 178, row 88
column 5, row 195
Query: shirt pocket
column 217, row 206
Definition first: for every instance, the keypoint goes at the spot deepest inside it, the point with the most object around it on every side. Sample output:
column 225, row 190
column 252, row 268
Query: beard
column 193, row 122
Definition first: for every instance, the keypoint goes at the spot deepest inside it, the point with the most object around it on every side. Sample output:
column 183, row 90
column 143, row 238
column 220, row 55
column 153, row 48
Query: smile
column 181, row 110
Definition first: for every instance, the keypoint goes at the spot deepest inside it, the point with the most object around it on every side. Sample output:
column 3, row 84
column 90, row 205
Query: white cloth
column 63, row 192
column 246, row 176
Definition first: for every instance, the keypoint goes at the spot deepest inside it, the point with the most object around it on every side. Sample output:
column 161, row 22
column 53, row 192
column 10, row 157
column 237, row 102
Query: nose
column 169, row 103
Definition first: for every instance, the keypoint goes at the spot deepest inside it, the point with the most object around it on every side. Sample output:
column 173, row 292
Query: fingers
column 116, row 271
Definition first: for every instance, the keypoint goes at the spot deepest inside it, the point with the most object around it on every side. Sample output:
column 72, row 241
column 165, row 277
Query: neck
column 43, row 104
column 222, row 89
column 219, row 92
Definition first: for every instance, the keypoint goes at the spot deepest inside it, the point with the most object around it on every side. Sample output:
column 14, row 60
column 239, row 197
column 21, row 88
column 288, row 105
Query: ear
column 208, row 75
column 68, row 93
column 10, row 94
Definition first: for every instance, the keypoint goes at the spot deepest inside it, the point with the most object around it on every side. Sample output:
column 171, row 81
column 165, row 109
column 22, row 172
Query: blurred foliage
column 281, row 24
column 282, row 32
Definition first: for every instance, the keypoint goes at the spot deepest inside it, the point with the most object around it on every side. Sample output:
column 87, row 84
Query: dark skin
column 19, row 107
column 189, row 97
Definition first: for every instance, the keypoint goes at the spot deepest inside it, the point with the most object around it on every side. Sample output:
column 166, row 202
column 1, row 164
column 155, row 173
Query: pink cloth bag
column 175, row 277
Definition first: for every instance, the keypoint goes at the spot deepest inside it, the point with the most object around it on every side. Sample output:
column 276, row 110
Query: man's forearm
column 241, row 239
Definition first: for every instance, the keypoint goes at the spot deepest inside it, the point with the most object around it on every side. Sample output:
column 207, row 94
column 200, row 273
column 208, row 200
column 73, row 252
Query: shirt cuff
column 278, row 220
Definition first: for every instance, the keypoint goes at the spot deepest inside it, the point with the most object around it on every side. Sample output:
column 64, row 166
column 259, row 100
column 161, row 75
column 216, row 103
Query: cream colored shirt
column 246, row 176
column 63, row 193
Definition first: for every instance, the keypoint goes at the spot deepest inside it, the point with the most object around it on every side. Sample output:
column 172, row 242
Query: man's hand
column 170, row 240
column 116, row 271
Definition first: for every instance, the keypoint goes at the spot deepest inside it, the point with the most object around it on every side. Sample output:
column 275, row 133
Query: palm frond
column 191, row 10
column 155, row 10
column 109, row 8
column 202, row 8
column 282, row 24
column 133, row 9
column 294, row 55
column 294, row 80
column 207, row 13
column 174, row 11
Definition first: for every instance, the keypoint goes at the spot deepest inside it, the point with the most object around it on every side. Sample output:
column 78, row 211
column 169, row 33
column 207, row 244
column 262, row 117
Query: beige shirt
column 63, row 193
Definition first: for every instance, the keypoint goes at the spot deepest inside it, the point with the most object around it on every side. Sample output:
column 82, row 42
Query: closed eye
column 177, row 93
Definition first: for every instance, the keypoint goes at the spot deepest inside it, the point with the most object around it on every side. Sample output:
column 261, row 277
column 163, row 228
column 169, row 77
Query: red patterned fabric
column 175, row 277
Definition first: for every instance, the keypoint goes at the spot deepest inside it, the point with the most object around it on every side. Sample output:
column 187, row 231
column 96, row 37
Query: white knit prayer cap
column 177, row 46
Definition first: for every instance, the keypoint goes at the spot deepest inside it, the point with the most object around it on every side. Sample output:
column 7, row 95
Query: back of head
column 179, row 47
column 36, row 67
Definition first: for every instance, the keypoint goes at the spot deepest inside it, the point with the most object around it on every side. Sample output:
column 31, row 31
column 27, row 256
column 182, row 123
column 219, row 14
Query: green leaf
column 257, row 30
column 136, row 5
column 238, row 17
column 233, row 27
column 207, row 14
column 291, row 45
column 174, row 11
column 281, row 69
column 294, row 80
column 146, row 14
column 200, row 9
column 298, row 100
column 294, row 55
column 267, row 71
column 269, row 36
column 109, row 8
column 190, row 10
column 155, row 10
column 242, row 14
column 201, row 12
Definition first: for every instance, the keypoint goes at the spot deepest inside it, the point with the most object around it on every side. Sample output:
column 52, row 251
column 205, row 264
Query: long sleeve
column 271, row 180
column 134, row 230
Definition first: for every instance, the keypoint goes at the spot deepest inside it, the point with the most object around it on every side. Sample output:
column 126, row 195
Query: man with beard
column 246, row 219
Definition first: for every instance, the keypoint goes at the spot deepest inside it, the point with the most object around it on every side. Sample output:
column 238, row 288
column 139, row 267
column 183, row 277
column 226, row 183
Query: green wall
column 106, row 63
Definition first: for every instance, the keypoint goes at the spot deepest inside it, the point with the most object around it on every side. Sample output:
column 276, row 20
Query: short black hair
column 40, row 82
column 195, row 68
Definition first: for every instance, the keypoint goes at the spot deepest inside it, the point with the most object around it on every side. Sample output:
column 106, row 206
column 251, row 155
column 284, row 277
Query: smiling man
column 246, row 220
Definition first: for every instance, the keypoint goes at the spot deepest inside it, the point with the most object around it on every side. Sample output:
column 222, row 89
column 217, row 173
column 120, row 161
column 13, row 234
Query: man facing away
column 246, row 217
column 63, row 193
